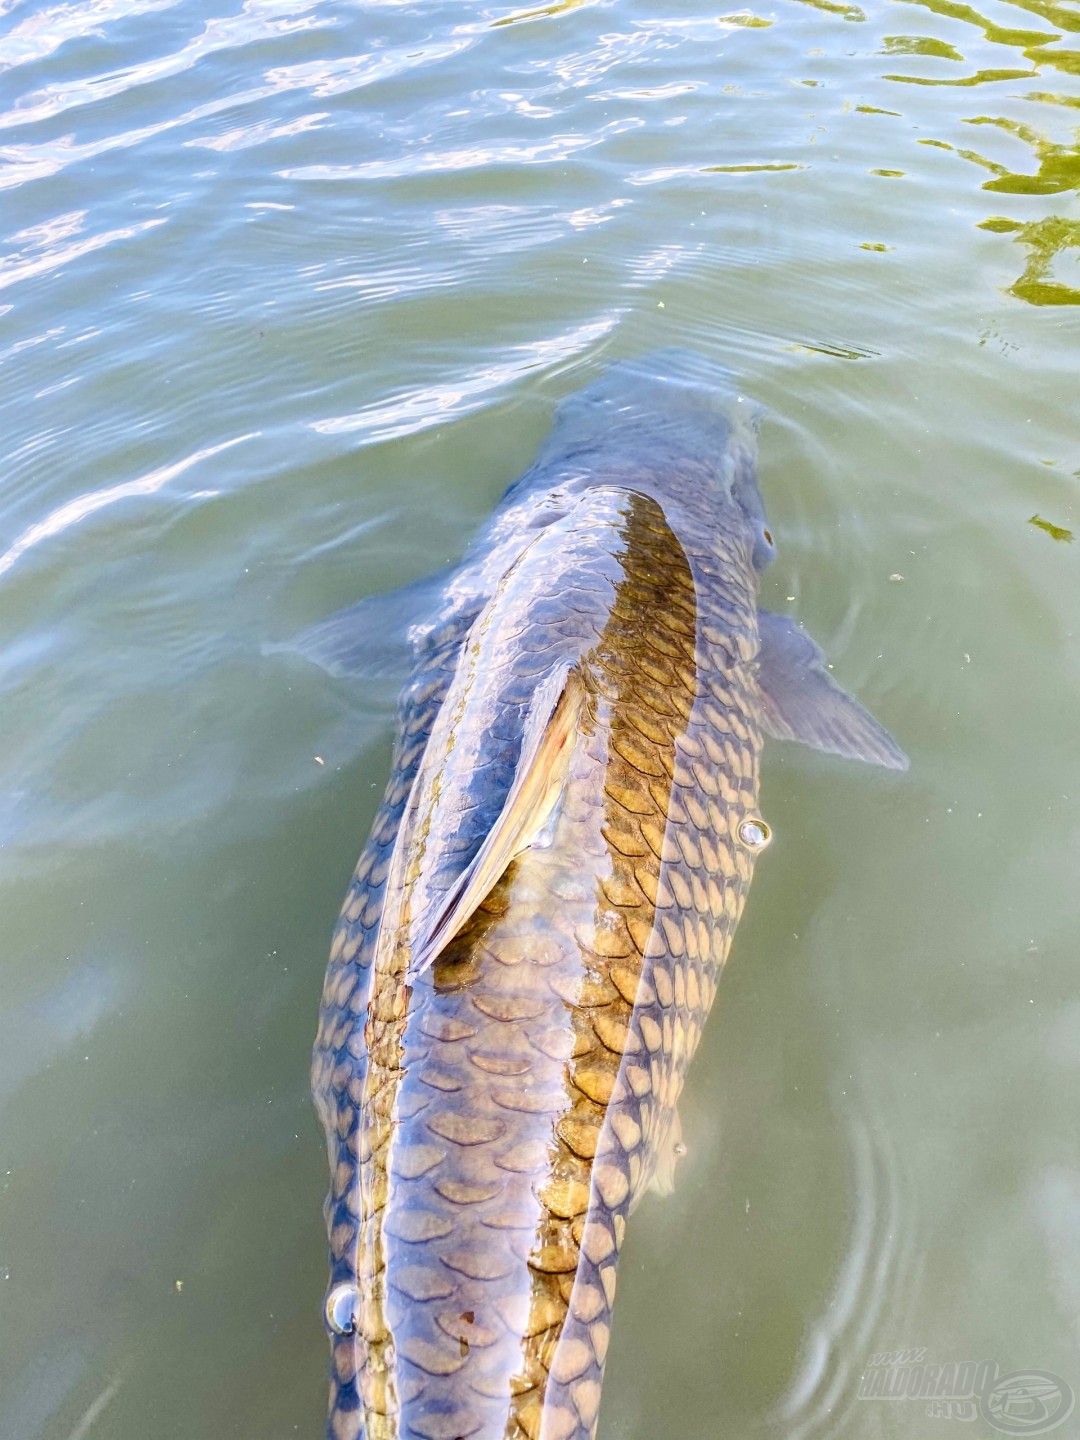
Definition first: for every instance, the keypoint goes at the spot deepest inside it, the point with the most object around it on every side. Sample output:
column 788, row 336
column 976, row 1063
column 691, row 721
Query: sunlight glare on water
column 287, row 293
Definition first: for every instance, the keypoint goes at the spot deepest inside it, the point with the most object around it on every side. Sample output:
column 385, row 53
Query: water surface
column 287, row 292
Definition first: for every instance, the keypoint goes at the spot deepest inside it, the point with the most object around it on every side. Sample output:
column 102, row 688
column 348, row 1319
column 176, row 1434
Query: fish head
column 746, row 494
column 677, row 417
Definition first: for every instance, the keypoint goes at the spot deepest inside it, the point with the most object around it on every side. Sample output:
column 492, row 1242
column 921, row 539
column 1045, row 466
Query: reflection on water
column 287, row 291
column 1057, row 161
column 837, row 7
column 980, row 77
column 1050, row 237
column 541, row 12
column 1047, row 240
column 1056, row 532
column 998, row 34
column 1059, row 165
column 919, row 45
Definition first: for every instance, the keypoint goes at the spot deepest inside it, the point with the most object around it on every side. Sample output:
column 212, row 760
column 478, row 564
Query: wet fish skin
column 491, row 1120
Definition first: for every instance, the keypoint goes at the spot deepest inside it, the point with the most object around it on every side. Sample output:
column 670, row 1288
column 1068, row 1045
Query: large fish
column 532, row 939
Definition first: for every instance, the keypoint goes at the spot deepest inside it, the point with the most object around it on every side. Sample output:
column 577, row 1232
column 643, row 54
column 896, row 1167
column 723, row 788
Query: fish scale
column 494, row 1116
column 490, row 1198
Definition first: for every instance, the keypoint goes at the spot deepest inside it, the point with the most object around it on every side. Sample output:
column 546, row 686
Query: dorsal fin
column 547, row 739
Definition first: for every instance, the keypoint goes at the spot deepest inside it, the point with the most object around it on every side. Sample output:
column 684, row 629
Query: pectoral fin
column 368, row 640
column 669, row 1151
column 801, row 701
column 550, row 728
column 658, row 1175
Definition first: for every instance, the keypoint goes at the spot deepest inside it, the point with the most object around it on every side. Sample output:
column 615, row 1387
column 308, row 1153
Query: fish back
column 496, row 1118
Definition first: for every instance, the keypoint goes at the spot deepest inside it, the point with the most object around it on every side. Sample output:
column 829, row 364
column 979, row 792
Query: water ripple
column 446, row 162
column 872, row 1282
column 42, row 34
column 259, row 20
column 415, row 410
column 73, row 512
column 14, row 268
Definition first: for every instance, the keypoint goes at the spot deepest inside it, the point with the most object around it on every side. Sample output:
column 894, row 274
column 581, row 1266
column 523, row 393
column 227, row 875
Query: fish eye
column 754, row 833
column 764, row 549
column 342, row 1304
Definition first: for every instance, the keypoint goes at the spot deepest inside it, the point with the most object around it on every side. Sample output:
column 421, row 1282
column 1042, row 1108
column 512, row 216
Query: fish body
column 532, row 938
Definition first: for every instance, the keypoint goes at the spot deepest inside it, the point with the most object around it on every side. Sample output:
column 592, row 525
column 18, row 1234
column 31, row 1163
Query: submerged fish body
column 533, row 935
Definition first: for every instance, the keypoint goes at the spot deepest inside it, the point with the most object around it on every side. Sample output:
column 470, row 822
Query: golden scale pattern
column 491, row 1127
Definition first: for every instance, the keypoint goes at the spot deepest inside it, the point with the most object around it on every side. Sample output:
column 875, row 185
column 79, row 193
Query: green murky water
column 287, row 290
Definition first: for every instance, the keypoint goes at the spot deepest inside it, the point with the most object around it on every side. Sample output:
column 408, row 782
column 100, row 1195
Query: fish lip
column 677, row 365
column 680, row 373
column 671, row 397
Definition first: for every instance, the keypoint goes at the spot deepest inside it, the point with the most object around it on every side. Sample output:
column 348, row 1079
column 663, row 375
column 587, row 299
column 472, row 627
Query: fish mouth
column 661, row 381
column 672, row 399
column 677, row 365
